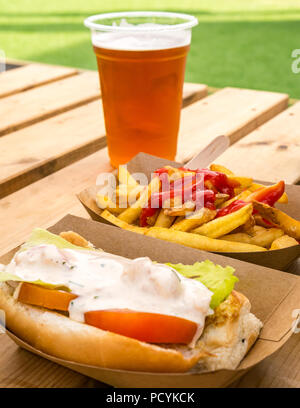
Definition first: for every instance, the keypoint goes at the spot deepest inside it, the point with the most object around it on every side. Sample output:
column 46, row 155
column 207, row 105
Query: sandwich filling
column 148, row 301
column 102, row 281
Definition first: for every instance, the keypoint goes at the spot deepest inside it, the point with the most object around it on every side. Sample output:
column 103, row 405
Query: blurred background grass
column 242, row 43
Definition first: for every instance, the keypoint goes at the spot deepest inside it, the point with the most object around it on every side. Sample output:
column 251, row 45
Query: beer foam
column 140, row 40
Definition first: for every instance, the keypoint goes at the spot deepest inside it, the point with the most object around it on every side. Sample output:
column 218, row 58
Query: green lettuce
column 217, row 279
column 40, row 236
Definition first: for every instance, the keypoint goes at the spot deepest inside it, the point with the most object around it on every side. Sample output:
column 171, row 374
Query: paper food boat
column 278, row 259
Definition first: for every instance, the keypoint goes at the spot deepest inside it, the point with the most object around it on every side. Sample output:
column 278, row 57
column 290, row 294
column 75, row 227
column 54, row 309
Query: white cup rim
column 90, row 21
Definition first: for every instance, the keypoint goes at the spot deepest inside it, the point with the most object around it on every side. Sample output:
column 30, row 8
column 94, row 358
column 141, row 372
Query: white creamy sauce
column 104, row 281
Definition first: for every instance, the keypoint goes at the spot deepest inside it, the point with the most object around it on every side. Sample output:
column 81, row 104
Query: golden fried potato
column 183, row 210
column 262, row 238
column 241, row 196
column 223, row 225
column 132, row 213
column 283, row 242
column 195, row 220
column 164, row 220
column 221, row 169
column 221, row 199
column 104, row 202
column 122, row 224
column 200, row 242
column 288, row 224
column 244, row 182
column 125, row 177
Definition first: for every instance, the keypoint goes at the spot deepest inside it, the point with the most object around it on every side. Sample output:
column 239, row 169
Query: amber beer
column 141, row 75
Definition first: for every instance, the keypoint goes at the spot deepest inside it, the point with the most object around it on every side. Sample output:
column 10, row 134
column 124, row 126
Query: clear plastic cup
column 141, row 59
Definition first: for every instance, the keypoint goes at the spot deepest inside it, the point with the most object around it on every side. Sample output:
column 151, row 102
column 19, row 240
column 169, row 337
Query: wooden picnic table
column 52, row 146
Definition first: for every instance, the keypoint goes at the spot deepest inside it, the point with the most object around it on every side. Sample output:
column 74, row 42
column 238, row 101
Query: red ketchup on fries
column 197, row 186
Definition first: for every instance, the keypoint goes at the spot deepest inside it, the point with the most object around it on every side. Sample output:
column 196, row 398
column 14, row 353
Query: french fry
column 248, row 225
column 125, row 177
column 241, row 196
column 152, row 220
column 260, row 221
column 262, row 238
column 198, row 218
column 220, row 199
column 186, row 208
column 164, row 220
column 127, row 194
column 132, row 213
column 175, row 174
column 288, row 224
column 256, row 229
column 122, row 224
column 245, row 182
column 177, row 220
column 200, row 242
column 255, row 186
column 283, row 242
column 223, row 225
column 104, row 202
column 221, row 169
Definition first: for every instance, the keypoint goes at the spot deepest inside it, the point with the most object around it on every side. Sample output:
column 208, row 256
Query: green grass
column 242, row 43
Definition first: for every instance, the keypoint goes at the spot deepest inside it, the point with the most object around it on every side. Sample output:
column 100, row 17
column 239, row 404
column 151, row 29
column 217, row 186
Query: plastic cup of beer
column 141, row 59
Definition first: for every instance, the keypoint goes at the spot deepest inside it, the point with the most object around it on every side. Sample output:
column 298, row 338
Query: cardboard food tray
column 277, row 259
column 273, row 295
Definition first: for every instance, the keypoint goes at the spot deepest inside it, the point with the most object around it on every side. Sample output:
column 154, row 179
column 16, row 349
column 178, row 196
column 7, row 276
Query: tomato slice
column 49, row 298
column 148, row 327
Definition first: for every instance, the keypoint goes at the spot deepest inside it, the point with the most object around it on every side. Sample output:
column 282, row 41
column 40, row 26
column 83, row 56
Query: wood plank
column 282, row 370
column 47, row 146
column 192, row 93
column 46, row 201
column 36, row 151
column 31, row 76
column 271, row 152
column 21, row 369
column 231, row 111
column 26, row 108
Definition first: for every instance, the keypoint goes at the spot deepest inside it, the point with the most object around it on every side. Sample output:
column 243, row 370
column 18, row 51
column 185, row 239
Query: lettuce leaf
column 40, row 236
column 217, row 279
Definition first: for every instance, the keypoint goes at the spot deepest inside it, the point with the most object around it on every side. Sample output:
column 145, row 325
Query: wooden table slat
column 271, row 152
column 32, row 153
column 46, row 201
column 232, row 111
column 30, row 76
column 26, row 108
column 21, row 369
column 192, row 93
column 36, row 151
column 280, row 370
